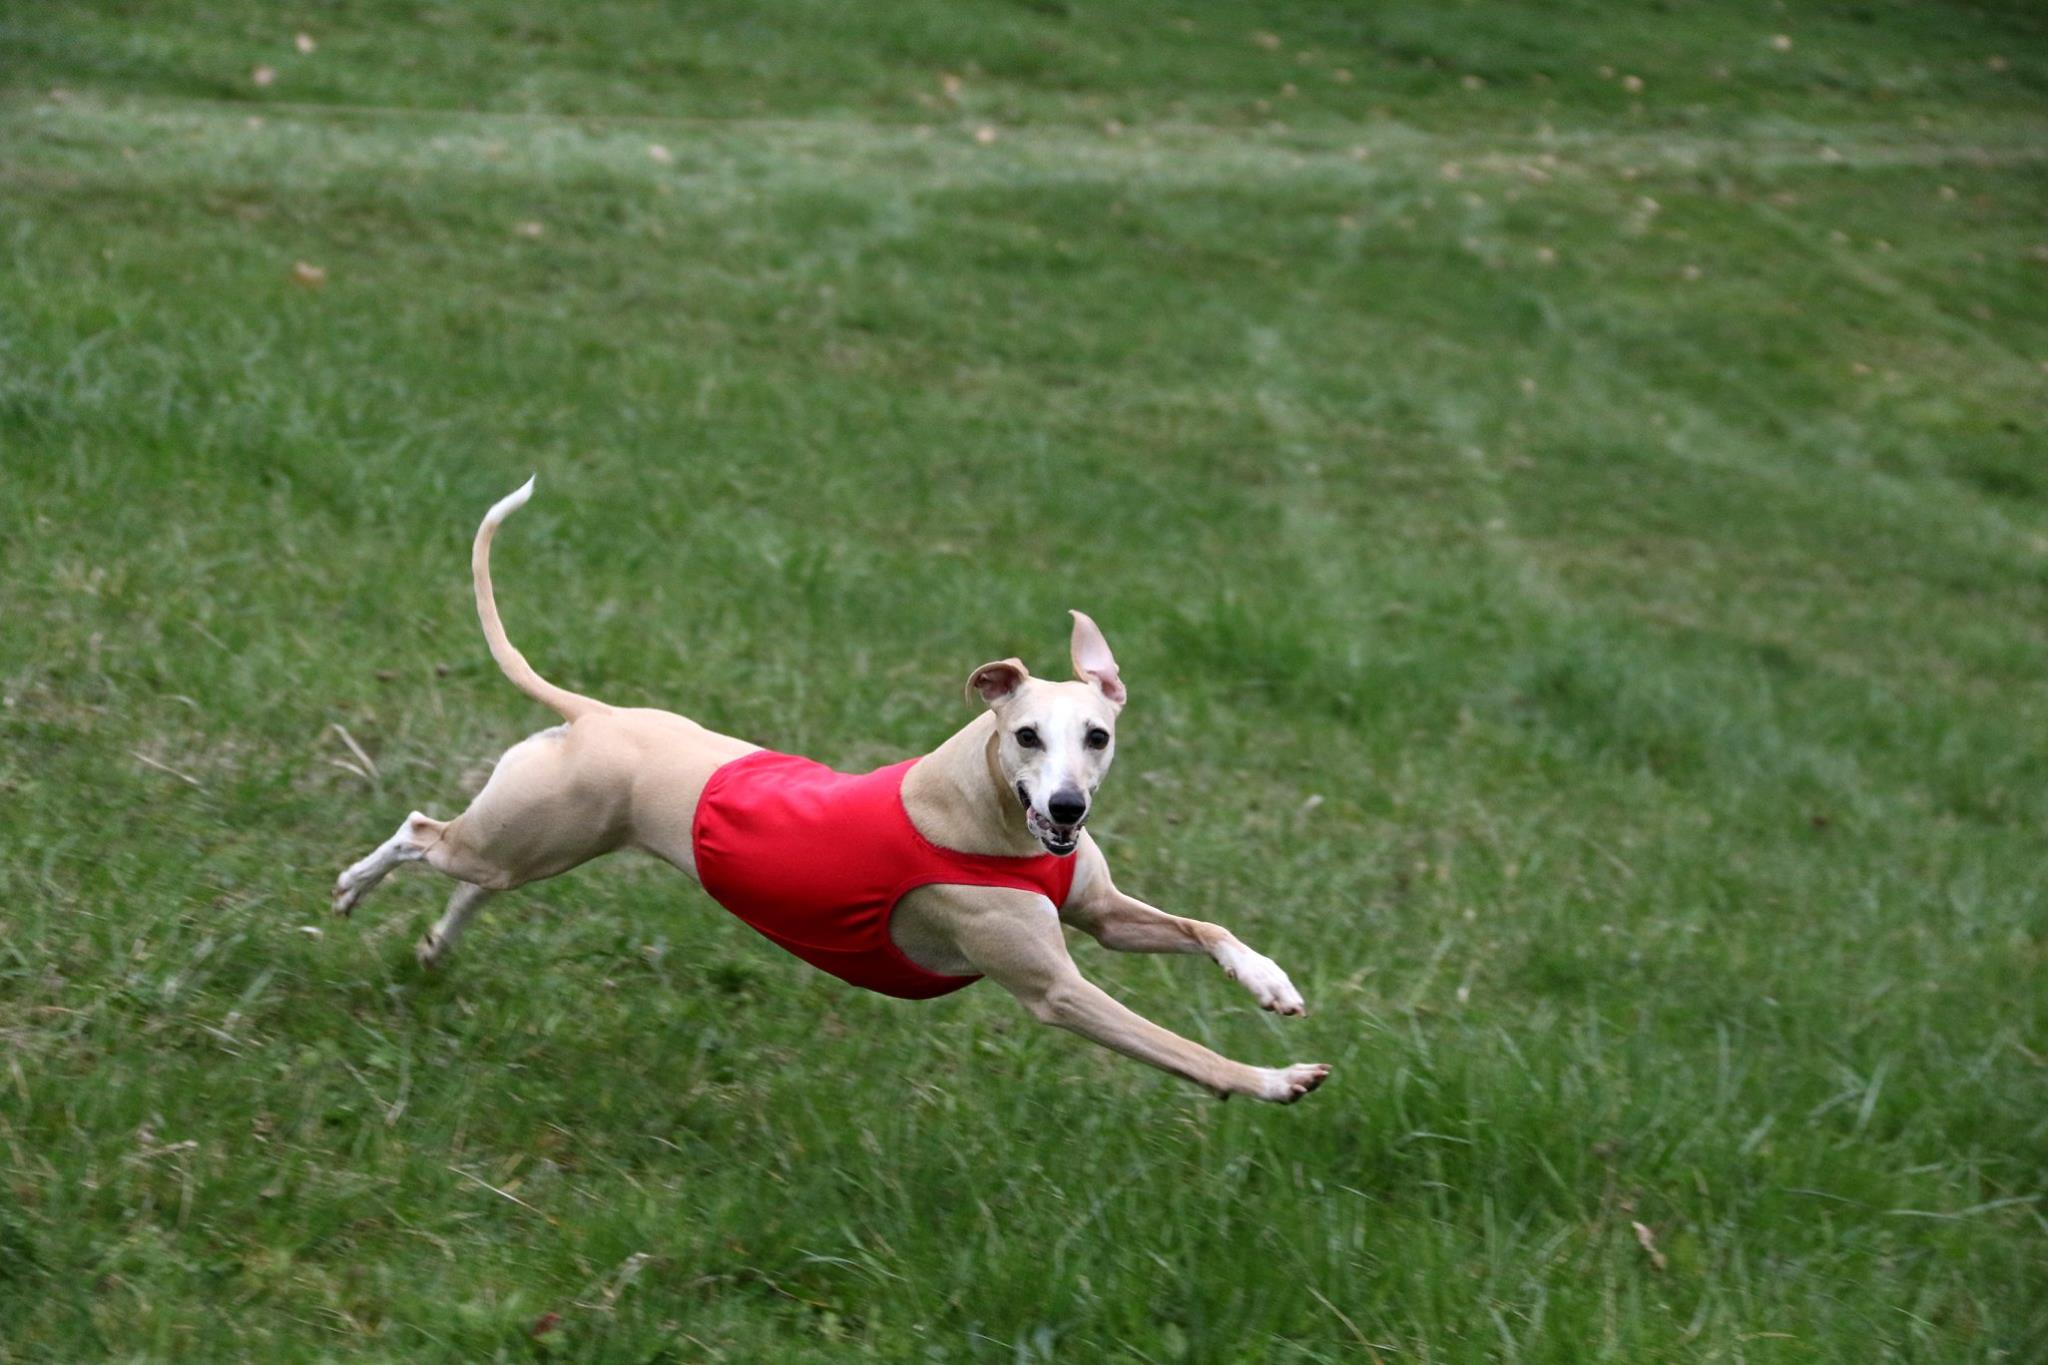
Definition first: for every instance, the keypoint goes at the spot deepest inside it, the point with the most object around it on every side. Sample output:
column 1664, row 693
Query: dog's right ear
column 997, row 682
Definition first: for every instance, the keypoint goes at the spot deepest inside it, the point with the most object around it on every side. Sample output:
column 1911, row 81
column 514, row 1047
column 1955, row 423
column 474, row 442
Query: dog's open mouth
column 1059, row 840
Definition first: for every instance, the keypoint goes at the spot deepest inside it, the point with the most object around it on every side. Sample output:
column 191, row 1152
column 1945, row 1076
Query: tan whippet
column 1011, row 787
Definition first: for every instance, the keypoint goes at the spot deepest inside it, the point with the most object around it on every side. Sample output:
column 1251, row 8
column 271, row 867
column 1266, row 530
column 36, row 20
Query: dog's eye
column 1098, row 739
column 1027, row 738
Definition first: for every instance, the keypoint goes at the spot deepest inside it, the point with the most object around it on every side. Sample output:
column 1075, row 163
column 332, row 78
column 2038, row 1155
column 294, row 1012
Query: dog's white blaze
column 1064, row 761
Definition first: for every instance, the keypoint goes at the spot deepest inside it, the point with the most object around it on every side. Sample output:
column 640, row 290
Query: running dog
column 913, row 880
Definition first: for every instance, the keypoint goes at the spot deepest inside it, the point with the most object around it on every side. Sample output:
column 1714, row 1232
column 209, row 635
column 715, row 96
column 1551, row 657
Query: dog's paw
column 430, row 952
column 1262, row 976
column 1286, row 1084
column 347, row 891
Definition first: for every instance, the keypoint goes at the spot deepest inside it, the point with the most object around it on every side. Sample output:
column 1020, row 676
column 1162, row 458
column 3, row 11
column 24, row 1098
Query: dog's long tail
column 561, row 699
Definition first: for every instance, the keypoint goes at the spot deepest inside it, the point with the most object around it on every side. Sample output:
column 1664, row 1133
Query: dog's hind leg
column 441, row 844
column 409, row 845
column 440, row 940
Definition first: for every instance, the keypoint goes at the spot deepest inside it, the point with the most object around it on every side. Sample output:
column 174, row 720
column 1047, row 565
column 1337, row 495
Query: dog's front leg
column 1079, row 1006
column 1126, row 924
column 1014, row 939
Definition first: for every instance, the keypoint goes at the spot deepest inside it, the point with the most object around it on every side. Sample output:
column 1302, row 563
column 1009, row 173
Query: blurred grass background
column 1565, row 484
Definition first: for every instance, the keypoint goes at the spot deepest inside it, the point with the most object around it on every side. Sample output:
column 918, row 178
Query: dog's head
column 1054, row 740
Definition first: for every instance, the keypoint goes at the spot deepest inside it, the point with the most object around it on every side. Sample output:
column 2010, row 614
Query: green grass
column 1579, row 556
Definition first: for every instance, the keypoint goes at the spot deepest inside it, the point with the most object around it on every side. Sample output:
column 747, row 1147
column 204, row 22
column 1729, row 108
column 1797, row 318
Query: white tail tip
column 510, row 503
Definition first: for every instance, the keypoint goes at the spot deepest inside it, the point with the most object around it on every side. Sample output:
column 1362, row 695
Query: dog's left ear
column 1093, row 663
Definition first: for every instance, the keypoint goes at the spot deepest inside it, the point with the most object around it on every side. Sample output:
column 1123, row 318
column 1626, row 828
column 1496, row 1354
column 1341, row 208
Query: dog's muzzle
column 1059, row 840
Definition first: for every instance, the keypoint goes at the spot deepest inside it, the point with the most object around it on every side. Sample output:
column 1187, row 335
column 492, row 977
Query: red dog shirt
column 816, row 860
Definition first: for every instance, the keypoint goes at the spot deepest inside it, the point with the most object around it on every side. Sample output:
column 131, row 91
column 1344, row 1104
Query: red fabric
column 816, row 860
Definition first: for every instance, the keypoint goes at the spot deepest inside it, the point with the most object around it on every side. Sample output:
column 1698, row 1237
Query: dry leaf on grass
column 304, row 43
column 264, row 77
column 308, row 276
column 1647, row 1240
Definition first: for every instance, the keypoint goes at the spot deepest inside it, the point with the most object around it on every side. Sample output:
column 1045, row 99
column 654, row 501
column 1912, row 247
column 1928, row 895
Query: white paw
column 1286, row 1084
column 347, row 891
column 431, row 951
column 1262, row 976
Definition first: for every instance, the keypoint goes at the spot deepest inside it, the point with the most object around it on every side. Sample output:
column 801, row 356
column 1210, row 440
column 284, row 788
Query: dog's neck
column 957, row 798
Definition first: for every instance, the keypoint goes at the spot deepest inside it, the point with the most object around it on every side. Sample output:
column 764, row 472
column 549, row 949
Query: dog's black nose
column 1067, row 807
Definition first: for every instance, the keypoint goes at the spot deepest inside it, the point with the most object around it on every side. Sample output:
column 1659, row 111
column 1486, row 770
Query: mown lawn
column 1566, row 485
